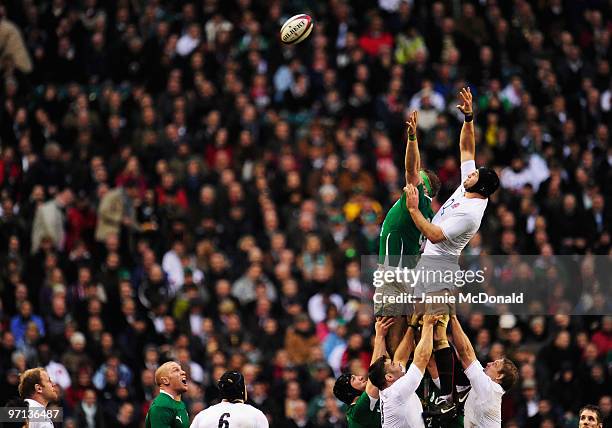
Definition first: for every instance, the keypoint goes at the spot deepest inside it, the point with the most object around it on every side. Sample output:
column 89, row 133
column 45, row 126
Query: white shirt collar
column 33, row 403
column 167, row 393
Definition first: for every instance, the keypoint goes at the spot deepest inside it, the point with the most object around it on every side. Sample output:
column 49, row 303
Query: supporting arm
column 381, row 327
column 405, row 348
column 422, row 353
column 462, row 343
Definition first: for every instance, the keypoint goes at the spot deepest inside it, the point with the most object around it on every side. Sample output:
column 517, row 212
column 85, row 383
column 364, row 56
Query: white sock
column 447, row 397
column 461, row 388
column 436, row 382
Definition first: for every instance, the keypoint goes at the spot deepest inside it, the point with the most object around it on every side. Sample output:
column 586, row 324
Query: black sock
column 460, row 377
column 445, row 363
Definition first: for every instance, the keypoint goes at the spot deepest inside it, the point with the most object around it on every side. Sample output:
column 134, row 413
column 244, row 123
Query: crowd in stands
column 177, row 184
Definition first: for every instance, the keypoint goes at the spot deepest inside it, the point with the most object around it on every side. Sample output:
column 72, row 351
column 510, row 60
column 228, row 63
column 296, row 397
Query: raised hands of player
column 465, row 96
column 431, row 318
column 412, row 123
column 382, row 325
column 412, row 196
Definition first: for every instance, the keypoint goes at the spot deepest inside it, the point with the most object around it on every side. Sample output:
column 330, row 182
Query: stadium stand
column 176, row 185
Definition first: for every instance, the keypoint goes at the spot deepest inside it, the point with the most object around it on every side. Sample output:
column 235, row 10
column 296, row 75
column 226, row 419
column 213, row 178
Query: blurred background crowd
column 175, row 184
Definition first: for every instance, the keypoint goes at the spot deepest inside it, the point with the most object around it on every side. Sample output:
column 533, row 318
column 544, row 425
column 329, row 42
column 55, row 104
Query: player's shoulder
column 253, row 410
column 161, row 401
column 229, row 407
column 203, row 416
column 361, row 401
column 160, row 410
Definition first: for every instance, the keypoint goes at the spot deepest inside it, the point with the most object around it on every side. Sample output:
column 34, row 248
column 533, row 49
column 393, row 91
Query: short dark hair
column 511, row 374
column 28, row 381
column 594, row 409
column 434, row 182
column 376, row 373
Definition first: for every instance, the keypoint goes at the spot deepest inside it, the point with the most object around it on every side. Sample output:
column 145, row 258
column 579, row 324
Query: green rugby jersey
column 362, row 414
column 166, row 412
column 399, row 236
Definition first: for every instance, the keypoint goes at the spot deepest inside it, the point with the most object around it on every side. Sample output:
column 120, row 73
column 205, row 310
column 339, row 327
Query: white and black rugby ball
column 296, row 29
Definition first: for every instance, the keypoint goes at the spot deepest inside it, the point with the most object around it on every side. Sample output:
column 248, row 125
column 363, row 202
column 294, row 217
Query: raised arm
column 467, row 140
column 425, row 346
column 462, row 343
column 430, row 231
column 381, row 327
column 405, row 347
column 413, row 158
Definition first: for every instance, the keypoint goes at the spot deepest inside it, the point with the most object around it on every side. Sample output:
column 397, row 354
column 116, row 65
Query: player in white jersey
column 448, row 233
column 483, row 403
column 38, row 390
column 399, row 404
column 232, row 410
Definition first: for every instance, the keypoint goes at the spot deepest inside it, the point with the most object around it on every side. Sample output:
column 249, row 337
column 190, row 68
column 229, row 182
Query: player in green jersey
column 167, row 410
column 400, row 240
column 357, row 392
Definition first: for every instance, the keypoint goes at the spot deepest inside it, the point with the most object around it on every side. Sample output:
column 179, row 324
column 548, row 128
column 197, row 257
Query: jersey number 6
column 222, row 422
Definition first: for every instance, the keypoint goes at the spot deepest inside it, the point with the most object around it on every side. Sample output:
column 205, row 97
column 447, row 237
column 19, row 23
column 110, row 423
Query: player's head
column 503, row 371
column 483, row 181
column 348, row 387
column 590, row 417
column 231, row 386
column 383, row 372
column 430, row 181
column 171, row 378
column 36, row 385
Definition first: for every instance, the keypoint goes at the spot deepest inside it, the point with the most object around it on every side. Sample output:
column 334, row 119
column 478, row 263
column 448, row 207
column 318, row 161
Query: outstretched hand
column 466, row 98
column 382, row 325
column 412, row 122
column 431, row 319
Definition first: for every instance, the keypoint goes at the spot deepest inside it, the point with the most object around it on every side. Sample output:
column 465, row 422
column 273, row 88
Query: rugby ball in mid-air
column 296, row 29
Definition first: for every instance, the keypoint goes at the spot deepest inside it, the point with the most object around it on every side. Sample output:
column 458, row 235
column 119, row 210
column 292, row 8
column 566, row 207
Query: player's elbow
column 462, row 351
column 413, row 178
column 436, row 235
column 421, row 360
column 466, row 356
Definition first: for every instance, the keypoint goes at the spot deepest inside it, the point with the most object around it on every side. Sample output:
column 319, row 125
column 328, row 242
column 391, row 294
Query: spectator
column 116, row 210
column 14, row 51
column 300, row 338
column 603, row 338
column 49, row 221
column 88, row 414
column 20, row 323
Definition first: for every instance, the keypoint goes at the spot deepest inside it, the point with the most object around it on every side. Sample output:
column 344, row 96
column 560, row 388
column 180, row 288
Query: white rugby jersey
column 399, row 404
column 234, row 415
column 483, row 403
column 459, row 218
column 40, row 421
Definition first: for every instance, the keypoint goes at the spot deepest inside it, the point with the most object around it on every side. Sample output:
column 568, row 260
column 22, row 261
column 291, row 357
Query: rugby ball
column 296, row 29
